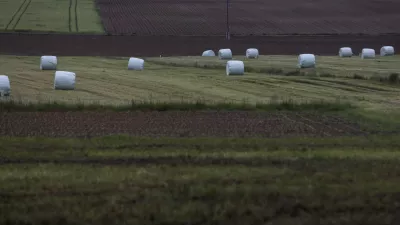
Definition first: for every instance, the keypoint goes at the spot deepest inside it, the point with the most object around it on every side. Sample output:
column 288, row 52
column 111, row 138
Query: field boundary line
column 15, row 14
column 23, row 12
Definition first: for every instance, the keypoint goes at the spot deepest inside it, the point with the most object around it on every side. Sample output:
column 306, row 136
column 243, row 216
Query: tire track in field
column 18, row 14
column 73, row 16
column 76, row 15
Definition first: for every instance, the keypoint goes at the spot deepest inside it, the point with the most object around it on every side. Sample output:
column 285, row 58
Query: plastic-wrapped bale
column 64, row 80
column 5, row 87
column 306, row 61
column 48, row 62
column 368, row 53
column 345, row 52
column 208, row 53
column 387, row 51
column 252, row 53
column 234, row 67
column 135, row 64
column 225, row 54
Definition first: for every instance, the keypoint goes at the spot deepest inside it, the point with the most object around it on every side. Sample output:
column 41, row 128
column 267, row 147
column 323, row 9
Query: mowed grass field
column 49, row 15
column 107, row 81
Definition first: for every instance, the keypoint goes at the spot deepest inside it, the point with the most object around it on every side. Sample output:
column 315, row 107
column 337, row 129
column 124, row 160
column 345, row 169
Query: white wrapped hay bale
column 368, row 53
column 225, row 54
column 48, row 62
column 252, row 53
column 208, row 53
column 135, row 64
column 306, row 61
column 345, row 52
column 5, row 87
column 387, row 51
column 234, row 67
column 64, row 80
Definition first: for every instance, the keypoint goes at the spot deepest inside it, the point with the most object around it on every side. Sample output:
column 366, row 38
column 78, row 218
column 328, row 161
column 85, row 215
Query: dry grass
column 286, row 65
column 107, row 81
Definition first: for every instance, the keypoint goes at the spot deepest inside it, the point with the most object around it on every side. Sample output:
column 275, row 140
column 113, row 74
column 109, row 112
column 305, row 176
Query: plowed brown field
column 101, row 45
column 249, row 17
column 174, row 124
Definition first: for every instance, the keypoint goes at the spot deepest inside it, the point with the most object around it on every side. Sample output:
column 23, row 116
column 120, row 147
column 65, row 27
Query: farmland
column 182, row 143
column 188, row 79
column 113, row 180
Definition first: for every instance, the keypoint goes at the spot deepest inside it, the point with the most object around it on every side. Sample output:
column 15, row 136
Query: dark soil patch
column 154, row 46
column 175, row 124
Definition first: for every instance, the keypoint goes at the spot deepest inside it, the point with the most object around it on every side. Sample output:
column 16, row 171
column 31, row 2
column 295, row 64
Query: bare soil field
column 101, row 45
column 249, row 17
column 175, row 124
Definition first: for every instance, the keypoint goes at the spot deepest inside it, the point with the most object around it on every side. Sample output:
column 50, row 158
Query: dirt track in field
column 101, row 45
column 174, row 124
column 249, row 17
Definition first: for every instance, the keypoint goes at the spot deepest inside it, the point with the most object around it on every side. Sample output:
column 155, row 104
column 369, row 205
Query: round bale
column 5, row 87
column 345, row 52
column 387, row 51
column 306, row 61
column 234, row 67
column 64, row 80
column 225, row 54
column 368, row 53
column 208, row 53
column 252, row 53
column 48, row 62
column 135, row 64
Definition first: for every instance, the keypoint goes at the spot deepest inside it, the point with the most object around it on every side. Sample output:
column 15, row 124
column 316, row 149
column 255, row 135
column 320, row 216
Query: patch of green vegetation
column 120, row 179
column 11, row 106
column 50, row 16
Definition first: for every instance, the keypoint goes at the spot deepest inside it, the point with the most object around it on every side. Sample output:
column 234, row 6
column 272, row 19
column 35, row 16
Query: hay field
column 107, row 81
column 49, row 15
column 328, row 66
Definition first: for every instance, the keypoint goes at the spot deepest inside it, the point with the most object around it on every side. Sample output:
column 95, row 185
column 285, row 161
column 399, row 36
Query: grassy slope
column 49, row 15
column 202, row 181
column 107, row 81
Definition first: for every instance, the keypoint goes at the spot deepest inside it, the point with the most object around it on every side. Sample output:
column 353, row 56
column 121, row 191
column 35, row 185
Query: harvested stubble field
column 50, row 16
column 255, row 17
column 107, row 81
